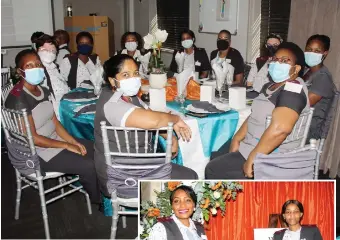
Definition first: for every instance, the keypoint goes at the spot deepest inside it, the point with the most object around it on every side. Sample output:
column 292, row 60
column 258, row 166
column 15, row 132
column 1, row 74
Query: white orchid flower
column 213, row 211
column 217, row 194
column 161, row 35
column 149, row 41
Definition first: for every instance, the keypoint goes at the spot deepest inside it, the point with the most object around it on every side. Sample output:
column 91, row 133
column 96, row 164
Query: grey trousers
column 227, row 166
column 180, row 172
column 72, row 163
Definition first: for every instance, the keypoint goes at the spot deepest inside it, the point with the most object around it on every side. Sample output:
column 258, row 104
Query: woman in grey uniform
column 119, row 106
column 57, row 149
column 284, row 100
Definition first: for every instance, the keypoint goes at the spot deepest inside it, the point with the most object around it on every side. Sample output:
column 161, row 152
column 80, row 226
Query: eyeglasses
column 292, row 212
column 47, row 50
column 280, row 60
column 275, row 45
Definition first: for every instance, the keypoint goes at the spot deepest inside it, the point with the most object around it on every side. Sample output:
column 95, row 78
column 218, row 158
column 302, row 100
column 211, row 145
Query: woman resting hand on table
column 284, row 100
column 119, row 106
column 57, row 149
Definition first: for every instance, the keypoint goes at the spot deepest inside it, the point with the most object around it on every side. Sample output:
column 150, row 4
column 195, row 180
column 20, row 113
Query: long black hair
column 114, row 65
column 188, row 190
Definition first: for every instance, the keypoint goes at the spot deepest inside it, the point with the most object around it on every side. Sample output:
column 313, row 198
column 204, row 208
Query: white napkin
column 221, row 71
column 144, row 59
column 97, row 79
column 179, row 58
column 183, row 79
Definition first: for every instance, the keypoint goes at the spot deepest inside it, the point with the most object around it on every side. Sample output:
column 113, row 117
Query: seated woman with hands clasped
column 292, row 213
column 119, row 106
column 179, row 226
column 57, row 149
column 284, row 100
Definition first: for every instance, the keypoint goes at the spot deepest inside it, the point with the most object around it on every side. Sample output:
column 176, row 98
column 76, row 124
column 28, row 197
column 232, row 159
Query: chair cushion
column 128, row 202
column 48, row 175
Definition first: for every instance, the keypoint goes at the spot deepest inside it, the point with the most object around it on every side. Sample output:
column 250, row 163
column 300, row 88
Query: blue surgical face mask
column 187, row 43
column 279, row 71
column 85, row 49
column 34, row 76
column 312, row 59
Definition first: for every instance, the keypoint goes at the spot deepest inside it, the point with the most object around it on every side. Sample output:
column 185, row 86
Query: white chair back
column 136, row 153
column 5, row 76
column 5, row 90
column 18, row 132
column 299, row 132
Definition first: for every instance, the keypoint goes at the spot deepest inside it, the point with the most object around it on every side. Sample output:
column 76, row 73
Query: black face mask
column 222, row 45
column 271, row 50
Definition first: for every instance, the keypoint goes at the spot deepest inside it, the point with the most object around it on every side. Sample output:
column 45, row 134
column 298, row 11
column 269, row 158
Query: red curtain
column 260, row 199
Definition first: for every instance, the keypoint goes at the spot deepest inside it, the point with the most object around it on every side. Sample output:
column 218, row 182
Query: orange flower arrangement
column 172, row 185
column 217, row 186
column 154, row 212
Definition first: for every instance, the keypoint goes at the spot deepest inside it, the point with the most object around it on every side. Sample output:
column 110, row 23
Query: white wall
column 242, row 41
column 9, row 56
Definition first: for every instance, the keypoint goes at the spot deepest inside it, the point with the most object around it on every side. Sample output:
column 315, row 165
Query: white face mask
column 187, row 43
column 131, row 46
column 46, row 56
column 130, row 87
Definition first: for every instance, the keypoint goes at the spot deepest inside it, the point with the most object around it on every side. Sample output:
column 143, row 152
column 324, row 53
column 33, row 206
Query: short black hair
column 138, row 37
column 226, row 32
column 188, row 190
column 292, row 201
column 114, row 65
column 191, row 34
column 45, row 39
column 84, row 34
column 22, row 54
column 274, row 35
column 36, row 35
column 326, row 41
column 62, row 34
column 297, row 51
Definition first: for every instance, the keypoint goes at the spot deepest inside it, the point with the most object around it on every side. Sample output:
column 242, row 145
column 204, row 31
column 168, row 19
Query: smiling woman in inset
column 292, row 213
column 194, row 58
column 179, row 226
column 319, row 81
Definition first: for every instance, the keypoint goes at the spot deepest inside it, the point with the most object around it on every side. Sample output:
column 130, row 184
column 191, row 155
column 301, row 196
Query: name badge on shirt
column 293, row 87
column 197, row 63
column 204, row 237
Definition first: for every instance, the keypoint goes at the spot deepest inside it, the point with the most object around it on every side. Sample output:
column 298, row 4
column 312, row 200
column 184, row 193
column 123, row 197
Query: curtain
column 260, row 199
column 308, row 17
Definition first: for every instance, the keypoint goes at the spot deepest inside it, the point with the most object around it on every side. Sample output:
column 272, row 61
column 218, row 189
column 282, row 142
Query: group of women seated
column 286, row 89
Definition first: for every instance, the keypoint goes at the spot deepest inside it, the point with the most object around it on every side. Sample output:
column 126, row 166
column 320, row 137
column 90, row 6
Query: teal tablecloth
column 215, row 129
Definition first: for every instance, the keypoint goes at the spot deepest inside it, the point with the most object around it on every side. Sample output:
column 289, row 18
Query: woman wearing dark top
column 292, row 213
column 57, row 149
column 319, row 81
column 225, row 51
column 119, row 106
column 194, row 57
column 284, row 100
column 179, row 226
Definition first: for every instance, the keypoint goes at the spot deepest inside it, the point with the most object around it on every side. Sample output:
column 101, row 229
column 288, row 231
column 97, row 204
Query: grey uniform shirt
column 292, row 95
column 320, row 83
column 112, row 109
column 42, row 112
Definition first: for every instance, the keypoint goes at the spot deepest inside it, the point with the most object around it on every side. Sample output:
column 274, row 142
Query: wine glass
column 229, row 80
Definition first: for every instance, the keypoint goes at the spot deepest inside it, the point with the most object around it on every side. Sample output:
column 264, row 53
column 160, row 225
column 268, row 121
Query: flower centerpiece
column 211, row 197
column 154, row 42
